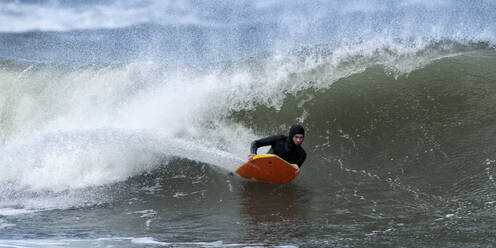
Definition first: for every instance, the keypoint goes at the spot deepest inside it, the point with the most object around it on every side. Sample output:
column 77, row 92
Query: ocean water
column 121, row 123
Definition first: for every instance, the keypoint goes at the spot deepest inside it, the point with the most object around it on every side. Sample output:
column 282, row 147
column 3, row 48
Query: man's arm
column 302, row 158
column 267, row 141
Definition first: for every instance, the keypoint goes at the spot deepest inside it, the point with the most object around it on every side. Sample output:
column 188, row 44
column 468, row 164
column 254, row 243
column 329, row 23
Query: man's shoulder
column 277, row 137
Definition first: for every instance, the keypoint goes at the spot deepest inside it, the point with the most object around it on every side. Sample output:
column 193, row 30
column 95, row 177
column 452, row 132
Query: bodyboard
column 267, row 168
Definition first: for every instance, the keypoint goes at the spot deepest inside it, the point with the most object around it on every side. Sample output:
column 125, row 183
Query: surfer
column 286, row 147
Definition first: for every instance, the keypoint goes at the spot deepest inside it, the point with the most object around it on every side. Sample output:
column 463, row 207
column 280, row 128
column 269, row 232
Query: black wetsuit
column 282, row 146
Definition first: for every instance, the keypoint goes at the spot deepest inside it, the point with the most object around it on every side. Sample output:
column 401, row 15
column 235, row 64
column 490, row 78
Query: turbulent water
column 121, row 123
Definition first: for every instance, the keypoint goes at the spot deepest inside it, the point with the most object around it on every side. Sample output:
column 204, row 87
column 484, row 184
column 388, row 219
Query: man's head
column 297, row 134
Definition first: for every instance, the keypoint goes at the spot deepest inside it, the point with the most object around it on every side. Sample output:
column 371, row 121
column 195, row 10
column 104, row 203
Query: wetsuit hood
column 295, row 129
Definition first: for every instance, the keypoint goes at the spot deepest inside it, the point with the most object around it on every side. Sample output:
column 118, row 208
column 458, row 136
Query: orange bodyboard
column 267, row 168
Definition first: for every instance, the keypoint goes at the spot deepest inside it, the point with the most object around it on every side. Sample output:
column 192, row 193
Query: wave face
column 93, row 118
column 130, row 108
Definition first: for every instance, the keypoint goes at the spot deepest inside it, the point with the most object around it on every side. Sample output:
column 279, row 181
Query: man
column 286, row 147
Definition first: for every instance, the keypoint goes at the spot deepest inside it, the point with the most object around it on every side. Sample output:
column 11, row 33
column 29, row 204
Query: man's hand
column 297, row 168
column 250, row 156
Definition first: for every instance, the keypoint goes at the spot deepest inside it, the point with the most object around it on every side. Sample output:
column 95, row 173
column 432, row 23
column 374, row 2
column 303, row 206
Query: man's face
column 298, row 139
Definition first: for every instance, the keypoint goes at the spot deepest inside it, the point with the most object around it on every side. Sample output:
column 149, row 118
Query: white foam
column 179, row 194
column 116, row 241
column 146, row 213
column 77, row 161
column 33, row 243
column 4, row 224
column 148, row 241
column 13, row 211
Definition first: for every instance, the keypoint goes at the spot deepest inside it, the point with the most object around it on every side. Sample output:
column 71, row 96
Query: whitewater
column 121, row 123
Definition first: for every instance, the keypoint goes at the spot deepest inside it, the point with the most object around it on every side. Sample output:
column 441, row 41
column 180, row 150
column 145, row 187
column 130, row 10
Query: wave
column 395, row 110
column 131, row 108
